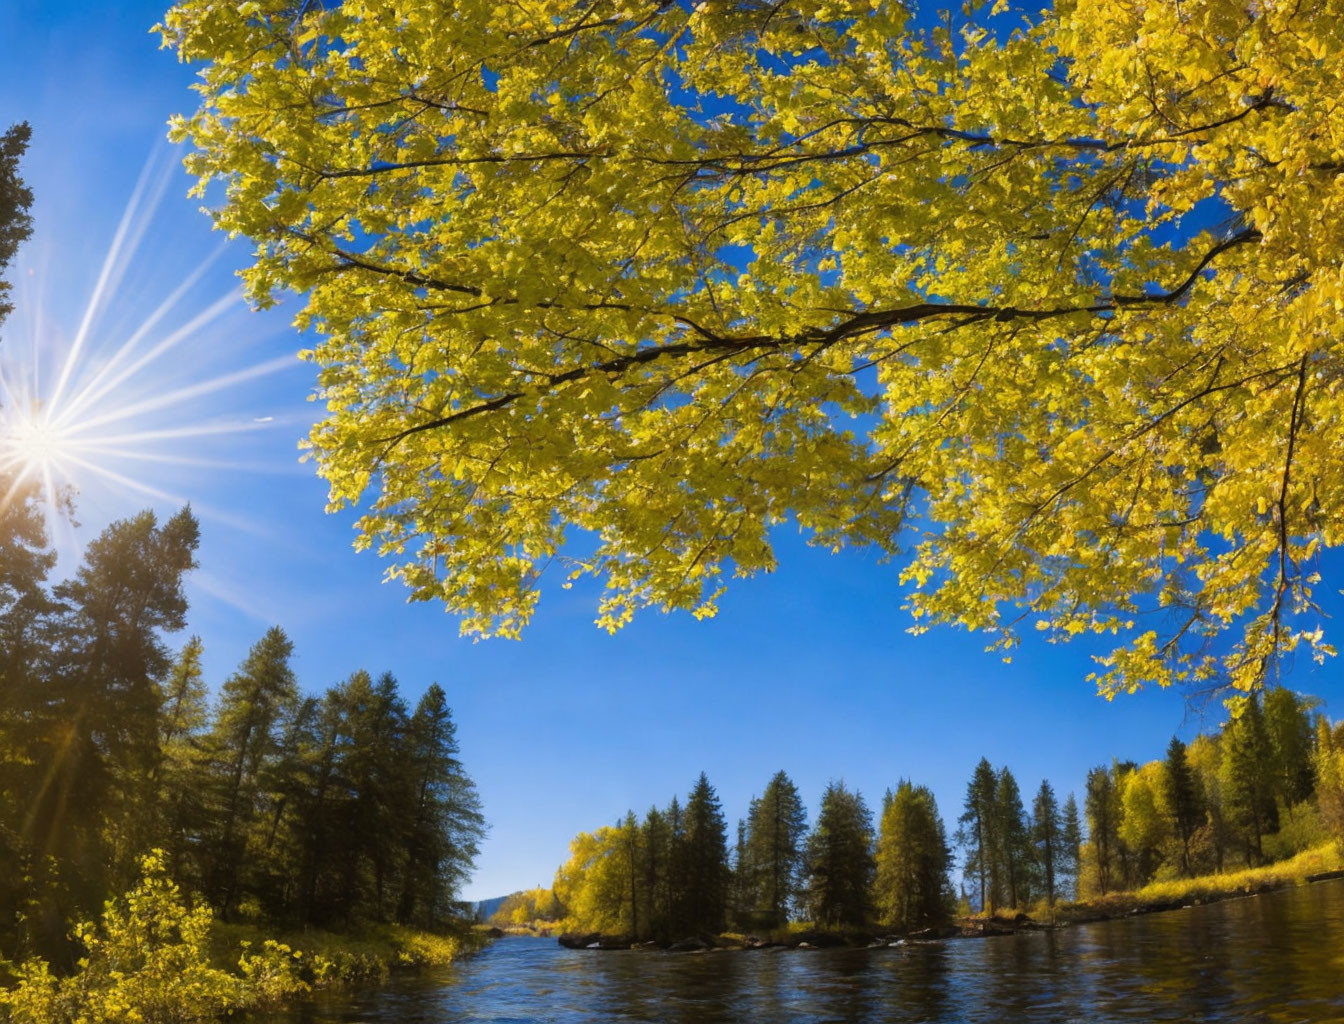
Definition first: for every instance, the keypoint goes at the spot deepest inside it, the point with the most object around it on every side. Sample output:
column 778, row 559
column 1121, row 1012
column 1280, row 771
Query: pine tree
column 1071, row 843
column 656, row 840
column 1183, row 798
column 1048, row 840
column 977, row 833
column 1013, row 847
column 776, row 832
column 839, row 859
column 744, row 876
column 184, row 773
column 632, row 854
column 1102, row 825
column 109, row 659
column 15, row 201
column 1247, row 778
column 911, row 888
column 445, row 829
column 254, row 703
column 705, row 895
column 676, row 873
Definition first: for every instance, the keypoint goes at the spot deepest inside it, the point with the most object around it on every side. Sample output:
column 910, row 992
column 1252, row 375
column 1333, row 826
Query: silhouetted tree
column 840, row 859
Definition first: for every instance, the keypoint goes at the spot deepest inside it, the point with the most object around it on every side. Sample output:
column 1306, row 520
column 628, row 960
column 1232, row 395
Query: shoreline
column 1198, row 892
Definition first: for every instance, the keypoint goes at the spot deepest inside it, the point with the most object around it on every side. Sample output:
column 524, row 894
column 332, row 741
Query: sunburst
column 131, row 392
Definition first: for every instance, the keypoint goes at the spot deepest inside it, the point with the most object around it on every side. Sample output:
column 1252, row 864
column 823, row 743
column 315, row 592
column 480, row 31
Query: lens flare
column 146, row 388
column 32, row 445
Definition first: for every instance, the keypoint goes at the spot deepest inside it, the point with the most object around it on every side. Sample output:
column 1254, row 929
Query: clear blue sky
column 809, row 670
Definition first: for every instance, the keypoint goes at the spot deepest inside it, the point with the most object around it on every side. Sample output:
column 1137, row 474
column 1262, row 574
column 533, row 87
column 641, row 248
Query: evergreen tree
column 184, row 774
column 1102, row 825
column 1071, row 843
column 15, row 201
column 655, row 842
column 675, row 875
column 374, row 770
column 1048, row 840
column 1183, row 798
column 94, row 806
column 632, row 863
column 445, row 828
column 839, row 859
column 911, row 888
column 704, row 897
column 776, row 832
column 1247, row 779
column 1013, row 834
column 978, row 836
column 743, row 878
column 254, row 704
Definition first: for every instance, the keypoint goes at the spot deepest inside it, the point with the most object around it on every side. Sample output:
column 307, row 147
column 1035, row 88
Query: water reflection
column 1277, row 958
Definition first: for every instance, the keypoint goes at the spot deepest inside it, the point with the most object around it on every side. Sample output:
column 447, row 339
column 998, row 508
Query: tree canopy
column 1048, row 306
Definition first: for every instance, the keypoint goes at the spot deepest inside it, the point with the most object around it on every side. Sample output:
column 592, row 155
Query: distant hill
column 485, row 909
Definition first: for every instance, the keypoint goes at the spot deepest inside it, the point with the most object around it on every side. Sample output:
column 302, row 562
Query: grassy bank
column 367, row 955
column 1181, row 892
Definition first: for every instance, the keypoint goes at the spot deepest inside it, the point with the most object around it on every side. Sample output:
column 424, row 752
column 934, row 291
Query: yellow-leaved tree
column 1048, row 307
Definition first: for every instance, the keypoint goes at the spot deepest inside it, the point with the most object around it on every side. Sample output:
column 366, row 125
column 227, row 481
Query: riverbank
column 158, row 956
column 1320, row 863
column 364, row 956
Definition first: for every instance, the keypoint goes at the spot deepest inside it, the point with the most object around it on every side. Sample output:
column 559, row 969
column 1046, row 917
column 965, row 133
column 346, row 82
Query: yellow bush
column 149, row 963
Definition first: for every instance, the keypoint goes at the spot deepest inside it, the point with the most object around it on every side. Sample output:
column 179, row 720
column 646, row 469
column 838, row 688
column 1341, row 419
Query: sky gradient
column 809, row 669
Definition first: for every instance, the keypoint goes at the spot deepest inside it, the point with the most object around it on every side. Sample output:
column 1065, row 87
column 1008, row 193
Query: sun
column 32, row 445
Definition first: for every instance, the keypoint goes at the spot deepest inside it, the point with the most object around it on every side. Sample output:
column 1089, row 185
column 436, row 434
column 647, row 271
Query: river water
column 1274, row 958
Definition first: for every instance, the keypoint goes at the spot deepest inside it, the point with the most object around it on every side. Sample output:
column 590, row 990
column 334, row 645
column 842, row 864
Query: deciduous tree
column 1059, row 305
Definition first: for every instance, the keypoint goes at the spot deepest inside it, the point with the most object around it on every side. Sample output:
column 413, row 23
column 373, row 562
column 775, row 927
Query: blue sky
column 809, row 670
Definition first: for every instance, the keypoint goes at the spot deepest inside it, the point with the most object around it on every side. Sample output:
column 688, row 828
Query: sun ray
column 99, row 385
column 200, row 430
column 94, row 448
column 182, row 394
column 114, row 266
column 97, row 388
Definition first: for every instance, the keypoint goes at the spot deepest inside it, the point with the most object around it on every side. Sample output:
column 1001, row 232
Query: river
column 1273, row 958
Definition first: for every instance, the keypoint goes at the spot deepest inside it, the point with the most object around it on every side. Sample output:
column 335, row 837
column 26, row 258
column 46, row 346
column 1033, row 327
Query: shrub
column 149, row 963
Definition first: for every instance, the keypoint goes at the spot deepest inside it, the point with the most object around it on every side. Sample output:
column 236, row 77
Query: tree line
column 1262, row 788
column 1267, row 785
column 674, row 873
column 275, row 805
